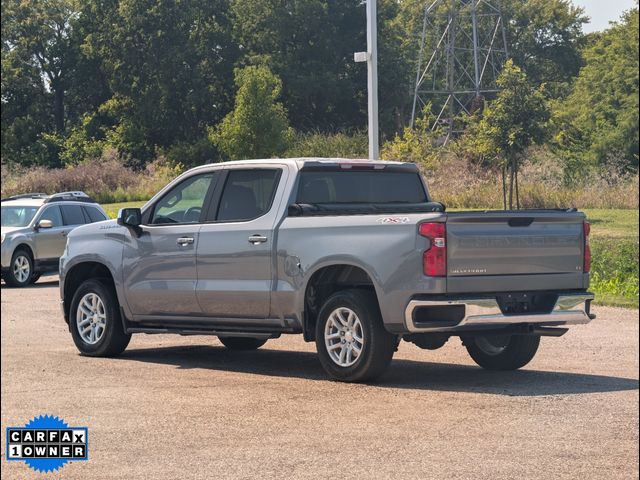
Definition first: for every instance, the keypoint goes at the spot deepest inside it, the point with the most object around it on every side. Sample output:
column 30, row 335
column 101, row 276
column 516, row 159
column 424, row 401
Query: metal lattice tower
column 462, row 50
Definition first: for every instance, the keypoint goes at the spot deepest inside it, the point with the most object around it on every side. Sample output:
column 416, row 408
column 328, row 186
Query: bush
column 459, row 184
column 106, row 179
column 421, row 145
column 614, row 270
column 332, row 145
column 192, row 154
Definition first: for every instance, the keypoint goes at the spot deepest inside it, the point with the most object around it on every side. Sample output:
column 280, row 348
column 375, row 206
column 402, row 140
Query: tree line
column 208, row 80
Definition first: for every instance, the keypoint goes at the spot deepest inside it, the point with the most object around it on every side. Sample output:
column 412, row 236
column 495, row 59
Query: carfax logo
column 47, row 443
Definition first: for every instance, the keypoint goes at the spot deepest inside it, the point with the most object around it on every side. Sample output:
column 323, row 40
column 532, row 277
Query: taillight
column 434, row 260
column 586, row 228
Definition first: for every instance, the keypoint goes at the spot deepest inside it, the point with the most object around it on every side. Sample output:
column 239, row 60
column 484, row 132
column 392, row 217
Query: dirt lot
column 184, row 407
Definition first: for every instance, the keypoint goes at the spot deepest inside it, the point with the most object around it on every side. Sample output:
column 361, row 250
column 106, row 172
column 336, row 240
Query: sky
column 602, row 12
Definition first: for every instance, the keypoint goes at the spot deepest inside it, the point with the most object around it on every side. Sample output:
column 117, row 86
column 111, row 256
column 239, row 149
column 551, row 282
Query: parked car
column 34, row 232
column 354, row 255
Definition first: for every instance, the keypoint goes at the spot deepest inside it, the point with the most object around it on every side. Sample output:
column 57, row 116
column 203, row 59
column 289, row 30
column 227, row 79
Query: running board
column 222, row 327
column 200, row 331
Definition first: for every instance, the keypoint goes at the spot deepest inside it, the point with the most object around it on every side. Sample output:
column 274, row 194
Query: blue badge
column 47, row 443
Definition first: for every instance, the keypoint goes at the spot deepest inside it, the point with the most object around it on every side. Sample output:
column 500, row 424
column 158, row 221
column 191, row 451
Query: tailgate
column 489, row 244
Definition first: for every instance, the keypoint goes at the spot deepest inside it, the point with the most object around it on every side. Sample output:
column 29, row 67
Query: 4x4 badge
column 393, row 220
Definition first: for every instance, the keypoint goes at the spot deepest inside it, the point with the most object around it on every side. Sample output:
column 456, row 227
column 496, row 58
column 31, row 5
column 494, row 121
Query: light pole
column 371, row 57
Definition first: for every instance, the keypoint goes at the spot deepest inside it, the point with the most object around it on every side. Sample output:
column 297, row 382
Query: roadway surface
column 184, row 407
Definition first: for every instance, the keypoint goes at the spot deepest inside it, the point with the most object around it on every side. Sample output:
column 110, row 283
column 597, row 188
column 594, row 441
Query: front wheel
column 95, row 322
column 502, row 352
column 352, row 343
column 20, row 271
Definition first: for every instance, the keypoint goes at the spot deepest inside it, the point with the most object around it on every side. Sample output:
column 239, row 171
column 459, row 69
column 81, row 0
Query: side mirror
column 44, row 224
column 131, row 218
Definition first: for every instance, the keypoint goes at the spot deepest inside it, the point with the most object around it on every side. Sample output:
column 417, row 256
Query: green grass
column 613, row 223
column 614, row 244
column 614, row 252
column 112, row 208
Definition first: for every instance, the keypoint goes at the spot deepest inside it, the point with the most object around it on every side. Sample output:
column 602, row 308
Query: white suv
column 34, row 232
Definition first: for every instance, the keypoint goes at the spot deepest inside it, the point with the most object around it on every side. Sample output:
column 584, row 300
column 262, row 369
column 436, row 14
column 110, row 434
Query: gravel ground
column 184, row 407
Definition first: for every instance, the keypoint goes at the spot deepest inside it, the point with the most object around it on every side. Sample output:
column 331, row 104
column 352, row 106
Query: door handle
column 256, row 239
column 184, row 241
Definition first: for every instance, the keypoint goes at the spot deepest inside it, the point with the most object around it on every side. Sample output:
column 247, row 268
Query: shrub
column 421, row 145
column 106, row 179
column 614, row 269
column 459, row 184
column 192, row 154
column 332, row 145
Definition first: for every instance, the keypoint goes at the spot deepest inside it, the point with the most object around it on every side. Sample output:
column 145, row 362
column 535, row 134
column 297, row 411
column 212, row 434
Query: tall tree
column 40, row 33
column 169, row 66
column 309, row 44
column 258, row 126
column 598, row 122
column 24, row 108
column 545, row 38
column 510, row 124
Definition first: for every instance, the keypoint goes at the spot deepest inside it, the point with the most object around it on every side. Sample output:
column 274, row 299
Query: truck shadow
column 403, row 374
column 44, row 283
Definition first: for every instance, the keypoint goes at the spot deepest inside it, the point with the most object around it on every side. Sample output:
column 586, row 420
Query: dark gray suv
column 34, row 232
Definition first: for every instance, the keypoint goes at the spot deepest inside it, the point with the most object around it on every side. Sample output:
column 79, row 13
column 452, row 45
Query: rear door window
column 72, row 215
column 248, row 194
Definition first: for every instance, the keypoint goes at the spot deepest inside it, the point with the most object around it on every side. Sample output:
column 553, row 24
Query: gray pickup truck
column 352, row 254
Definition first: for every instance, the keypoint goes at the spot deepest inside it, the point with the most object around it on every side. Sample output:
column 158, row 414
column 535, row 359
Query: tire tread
column 380, row 347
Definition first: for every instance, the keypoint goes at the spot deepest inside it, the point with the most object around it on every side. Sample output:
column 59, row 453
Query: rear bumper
column 485, row 313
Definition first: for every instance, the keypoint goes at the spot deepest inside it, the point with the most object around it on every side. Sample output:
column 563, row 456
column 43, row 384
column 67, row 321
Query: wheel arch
column 78, row 274
column 324, row 282
column 24, row 246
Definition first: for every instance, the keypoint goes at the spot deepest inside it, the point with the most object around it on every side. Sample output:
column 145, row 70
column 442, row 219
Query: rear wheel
column 95, row 322
column 502, row 352
column 352, row 343
column 242, row 343
column 20, row 271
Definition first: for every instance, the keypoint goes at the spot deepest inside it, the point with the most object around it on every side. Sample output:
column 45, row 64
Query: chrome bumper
column 482, row 312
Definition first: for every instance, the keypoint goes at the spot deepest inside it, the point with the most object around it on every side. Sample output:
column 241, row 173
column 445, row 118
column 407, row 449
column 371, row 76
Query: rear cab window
column 342, row 186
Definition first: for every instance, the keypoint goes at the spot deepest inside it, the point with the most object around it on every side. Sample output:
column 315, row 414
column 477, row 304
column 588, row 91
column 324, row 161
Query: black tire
column 242, row 343
column 113, row 340
column 10, row 277
column 35, row 277
column 377, row 346
column 504, row 352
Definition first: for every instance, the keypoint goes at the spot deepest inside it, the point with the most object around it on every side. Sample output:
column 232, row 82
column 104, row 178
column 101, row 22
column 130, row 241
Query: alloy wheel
column 21, row 268
column 91, row 318
column 344, row 337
